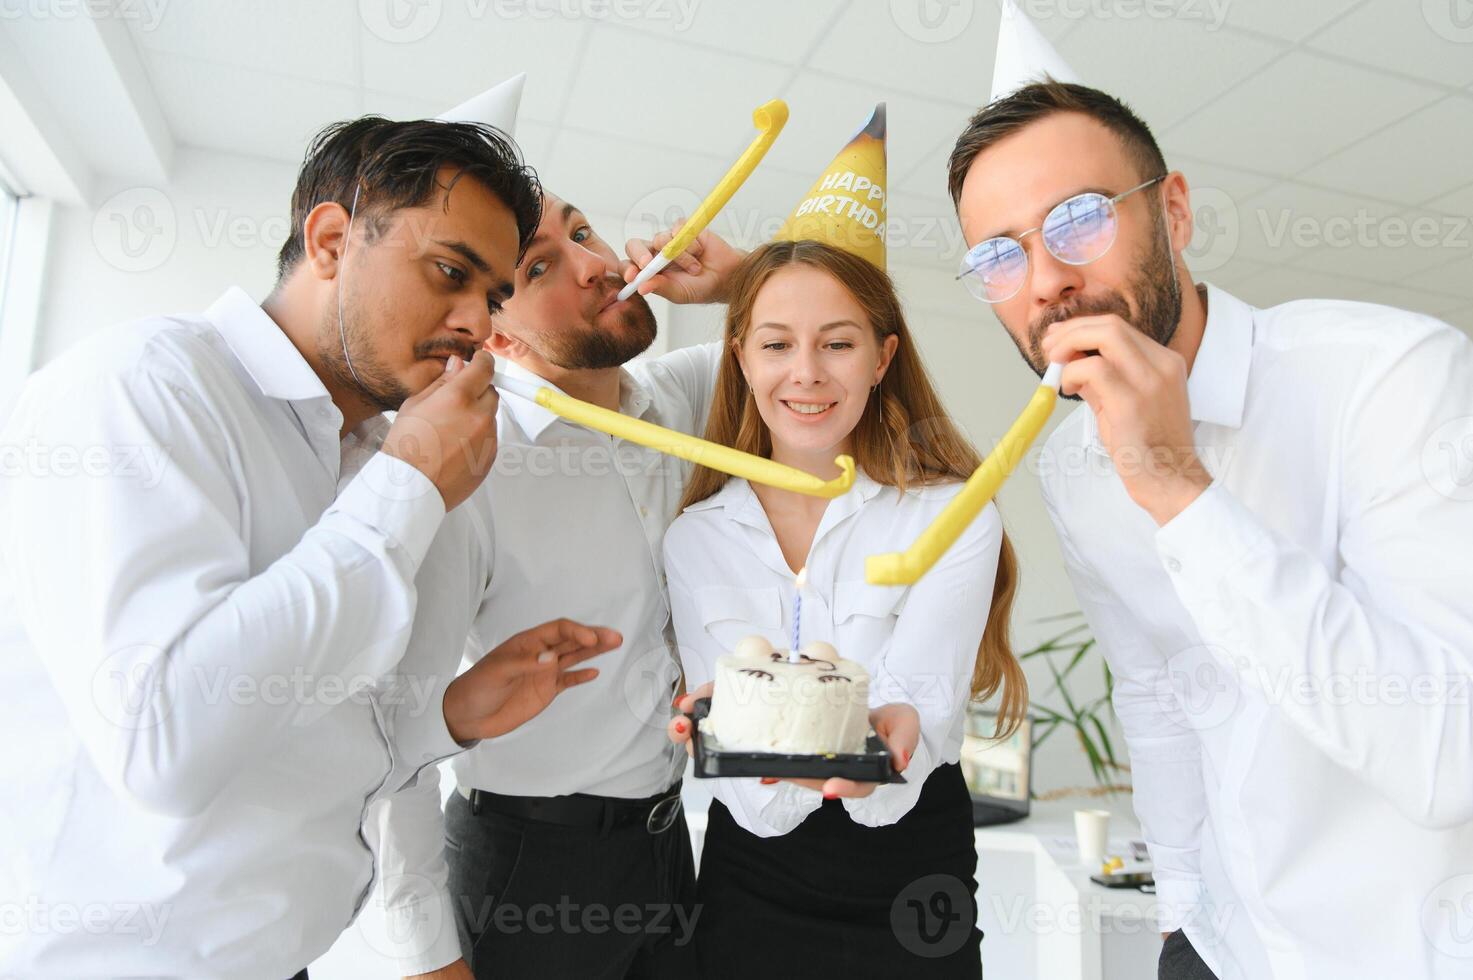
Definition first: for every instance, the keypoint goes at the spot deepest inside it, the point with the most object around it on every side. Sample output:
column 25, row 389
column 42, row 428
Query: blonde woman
column 800, row 878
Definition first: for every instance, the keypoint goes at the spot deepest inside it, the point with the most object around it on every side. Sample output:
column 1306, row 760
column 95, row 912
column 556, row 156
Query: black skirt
column 837, row 899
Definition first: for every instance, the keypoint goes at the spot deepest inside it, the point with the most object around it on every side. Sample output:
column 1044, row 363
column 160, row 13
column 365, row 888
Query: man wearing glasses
column 1266, row 517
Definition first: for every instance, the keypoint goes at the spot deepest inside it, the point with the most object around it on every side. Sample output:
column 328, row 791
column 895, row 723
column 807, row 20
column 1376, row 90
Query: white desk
column 1041, row 915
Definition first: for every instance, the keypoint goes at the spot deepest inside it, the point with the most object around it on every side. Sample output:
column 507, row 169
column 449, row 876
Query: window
column 8, row 212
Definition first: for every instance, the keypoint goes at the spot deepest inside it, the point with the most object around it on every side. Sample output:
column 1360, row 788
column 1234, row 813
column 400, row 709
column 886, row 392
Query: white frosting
column 762, row 702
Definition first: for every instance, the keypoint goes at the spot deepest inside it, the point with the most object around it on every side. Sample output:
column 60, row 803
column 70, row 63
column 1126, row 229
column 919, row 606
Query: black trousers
column 535, row 899
column 837, row 899
column 1179, row 960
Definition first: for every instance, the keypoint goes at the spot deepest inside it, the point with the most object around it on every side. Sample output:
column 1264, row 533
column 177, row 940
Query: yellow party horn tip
column 769, row 118
column 906, row 567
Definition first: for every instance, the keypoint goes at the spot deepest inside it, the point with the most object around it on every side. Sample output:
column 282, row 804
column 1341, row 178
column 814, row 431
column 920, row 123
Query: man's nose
column 1050, row 280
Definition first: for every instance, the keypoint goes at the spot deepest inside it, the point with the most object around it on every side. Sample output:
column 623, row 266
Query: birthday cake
column 763, row 701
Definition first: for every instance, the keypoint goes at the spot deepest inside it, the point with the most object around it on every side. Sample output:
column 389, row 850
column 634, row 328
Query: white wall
column 174, row 248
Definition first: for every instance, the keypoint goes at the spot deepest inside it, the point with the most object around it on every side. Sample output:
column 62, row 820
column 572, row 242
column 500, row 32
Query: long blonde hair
column 903, row 437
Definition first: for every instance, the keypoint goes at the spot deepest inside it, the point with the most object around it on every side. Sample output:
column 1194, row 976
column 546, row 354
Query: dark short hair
column 1032, row 103
column 397, row 163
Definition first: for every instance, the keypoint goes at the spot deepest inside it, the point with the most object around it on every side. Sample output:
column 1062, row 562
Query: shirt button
column 644, row 512
column 1173, row 565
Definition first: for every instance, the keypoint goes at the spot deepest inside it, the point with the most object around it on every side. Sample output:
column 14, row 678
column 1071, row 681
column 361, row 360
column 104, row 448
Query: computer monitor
column 999, row 772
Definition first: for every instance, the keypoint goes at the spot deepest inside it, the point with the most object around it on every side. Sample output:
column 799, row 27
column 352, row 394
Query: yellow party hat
column 845, row 207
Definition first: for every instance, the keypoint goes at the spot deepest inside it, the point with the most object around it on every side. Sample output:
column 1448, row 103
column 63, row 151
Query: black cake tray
column 711, row 760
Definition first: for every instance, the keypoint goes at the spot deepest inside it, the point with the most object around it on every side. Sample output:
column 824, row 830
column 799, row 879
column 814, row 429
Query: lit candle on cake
column 802, row 580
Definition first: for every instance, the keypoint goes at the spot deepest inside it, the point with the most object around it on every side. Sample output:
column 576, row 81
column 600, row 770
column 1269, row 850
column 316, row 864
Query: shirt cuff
column 425, row 919
column 1177, row 901
column 1213, row 535
column 419, row 733
column 888, row 803
column 396, row 499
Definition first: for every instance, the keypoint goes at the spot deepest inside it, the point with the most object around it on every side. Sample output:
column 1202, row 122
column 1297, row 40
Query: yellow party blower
column 906, row 567
column 770, row 118
column 754, row 469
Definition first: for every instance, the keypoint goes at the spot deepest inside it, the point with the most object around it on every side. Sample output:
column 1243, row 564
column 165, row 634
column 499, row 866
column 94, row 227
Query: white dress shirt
column 728, row 580
column 199, row 629
column 569, row 523
column 1292, row 651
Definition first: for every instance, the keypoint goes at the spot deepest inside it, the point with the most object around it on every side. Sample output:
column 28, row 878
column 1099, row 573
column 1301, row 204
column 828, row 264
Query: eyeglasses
column 1077, row 231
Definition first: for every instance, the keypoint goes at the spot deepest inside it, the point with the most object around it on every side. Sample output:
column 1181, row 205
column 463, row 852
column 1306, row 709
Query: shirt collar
column 634, row 399
column 263, row 349
column 741, row 506
column 739, row 501
column 1218, row 384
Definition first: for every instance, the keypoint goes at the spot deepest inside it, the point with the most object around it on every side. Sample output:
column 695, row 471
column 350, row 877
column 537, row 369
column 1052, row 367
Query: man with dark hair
column 565, row 851
column 216, row 556
column 1267, row 535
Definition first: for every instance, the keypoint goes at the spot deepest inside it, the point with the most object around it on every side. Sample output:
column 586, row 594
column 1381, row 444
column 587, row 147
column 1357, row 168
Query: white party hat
column 1024, row 55
column 497, row 106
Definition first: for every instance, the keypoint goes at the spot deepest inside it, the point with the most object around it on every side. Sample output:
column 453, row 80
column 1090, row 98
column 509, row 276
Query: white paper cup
column 1092, row 827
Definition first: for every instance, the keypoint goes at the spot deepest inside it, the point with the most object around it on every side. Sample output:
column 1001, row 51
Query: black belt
column 606, row 813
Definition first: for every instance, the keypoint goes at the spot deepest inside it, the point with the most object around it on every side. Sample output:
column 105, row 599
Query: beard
column 375, row 383
column 1157, row 306
column 595, row 349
